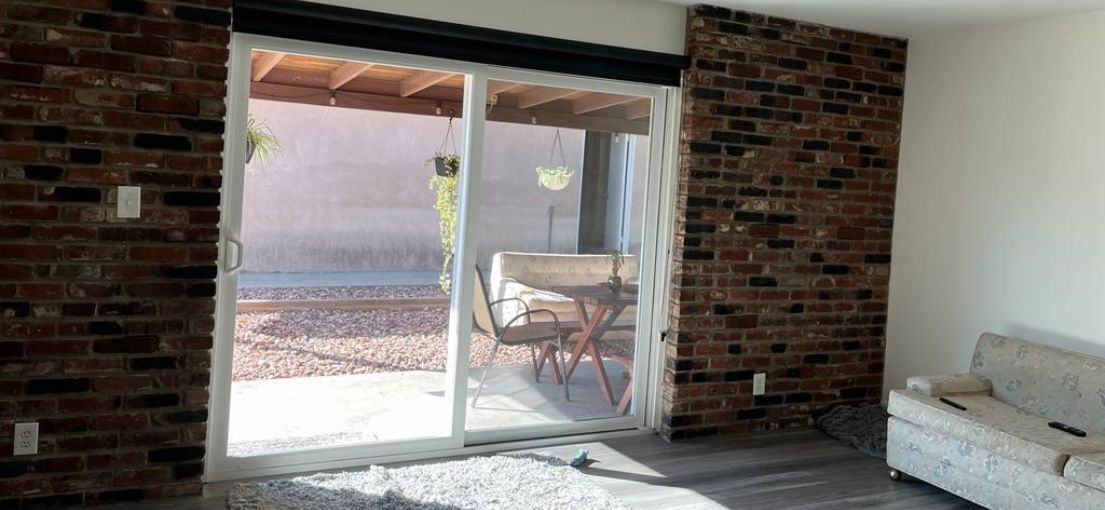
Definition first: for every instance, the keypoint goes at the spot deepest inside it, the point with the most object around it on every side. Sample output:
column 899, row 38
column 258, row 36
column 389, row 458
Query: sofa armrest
column 941, row 385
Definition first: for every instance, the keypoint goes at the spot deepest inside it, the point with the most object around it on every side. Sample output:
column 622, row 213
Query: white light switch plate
column 26, row 439
column 758, row 383
column 128, row 202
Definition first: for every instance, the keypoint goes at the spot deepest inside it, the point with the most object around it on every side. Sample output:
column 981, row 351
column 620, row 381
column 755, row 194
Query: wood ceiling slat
column 264, row 63
column 421, row 81
column 541, row 95
column 598, row 101
column 346, row 73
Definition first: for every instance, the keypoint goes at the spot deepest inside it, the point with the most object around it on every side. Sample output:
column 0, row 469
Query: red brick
column 37, row 52
column 784, row 286
column 142, row 44
column 21, row 72
column 167, row 104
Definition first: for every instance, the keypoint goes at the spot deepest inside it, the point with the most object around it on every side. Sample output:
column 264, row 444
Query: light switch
column 129, row 202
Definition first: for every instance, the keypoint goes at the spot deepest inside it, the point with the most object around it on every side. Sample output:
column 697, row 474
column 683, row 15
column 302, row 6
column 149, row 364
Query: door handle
column 238, row 249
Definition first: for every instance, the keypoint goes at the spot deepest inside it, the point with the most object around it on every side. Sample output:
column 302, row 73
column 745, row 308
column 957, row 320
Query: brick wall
column 788, row 167
column 105, row 323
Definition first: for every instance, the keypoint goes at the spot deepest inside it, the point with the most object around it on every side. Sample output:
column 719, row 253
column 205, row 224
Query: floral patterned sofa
column 1000, row 451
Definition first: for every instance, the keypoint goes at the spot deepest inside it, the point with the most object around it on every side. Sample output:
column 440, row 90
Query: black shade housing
column 295, row 19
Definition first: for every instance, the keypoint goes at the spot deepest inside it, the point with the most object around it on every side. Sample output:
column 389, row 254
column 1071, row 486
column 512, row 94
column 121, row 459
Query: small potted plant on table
column 617, row 259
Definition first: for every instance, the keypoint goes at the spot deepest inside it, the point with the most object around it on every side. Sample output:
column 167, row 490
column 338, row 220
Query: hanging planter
column 260, row 141
column 554, row 178
column 446, row 164
column 551, row 176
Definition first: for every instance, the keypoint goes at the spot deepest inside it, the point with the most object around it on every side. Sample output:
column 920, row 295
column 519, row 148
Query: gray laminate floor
column 801, row 469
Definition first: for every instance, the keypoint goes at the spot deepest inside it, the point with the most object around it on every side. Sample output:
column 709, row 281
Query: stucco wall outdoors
column 349, row 192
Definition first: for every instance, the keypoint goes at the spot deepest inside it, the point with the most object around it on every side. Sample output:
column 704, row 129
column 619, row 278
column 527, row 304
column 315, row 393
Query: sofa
column 528, row 276
column 1000, row 452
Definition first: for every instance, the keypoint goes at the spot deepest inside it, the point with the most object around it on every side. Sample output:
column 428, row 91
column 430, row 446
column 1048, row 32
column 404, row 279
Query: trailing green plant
column 617, row 260
column 260, row 141
column 445, row 203
column 554, row 171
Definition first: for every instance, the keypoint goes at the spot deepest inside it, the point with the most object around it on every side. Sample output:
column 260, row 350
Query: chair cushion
column 1087, row 469
column 996, row 426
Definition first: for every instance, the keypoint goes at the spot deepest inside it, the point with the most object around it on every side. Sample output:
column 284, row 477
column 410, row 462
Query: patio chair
column 514, row 332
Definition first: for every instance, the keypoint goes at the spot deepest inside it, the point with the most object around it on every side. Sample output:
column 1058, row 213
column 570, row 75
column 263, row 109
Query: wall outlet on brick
column 759, row 381
column 129, row 202
column 26, row 438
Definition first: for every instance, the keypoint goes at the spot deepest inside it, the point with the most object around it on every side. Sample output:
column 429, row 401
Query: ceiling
column 908, row 17
column 292, row 78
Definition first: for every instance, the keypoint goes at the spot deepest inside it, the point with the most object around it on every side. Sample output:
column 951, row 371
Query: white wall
column 349, row 191
column 1000, row 221
column 639, row 24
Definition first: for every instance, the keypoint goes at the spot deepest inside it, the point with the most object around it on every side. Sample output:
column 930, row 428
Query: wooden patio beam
column 638, row 109
column 542, row 95
column 346, row 73
column 421, row 81
column 265, row 63
column 498, row 87
column 598, row 101
column 420, row 106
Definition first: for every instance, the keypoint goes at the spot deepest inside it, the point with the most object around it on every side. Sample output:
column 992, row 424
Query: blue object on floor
column 579, row 459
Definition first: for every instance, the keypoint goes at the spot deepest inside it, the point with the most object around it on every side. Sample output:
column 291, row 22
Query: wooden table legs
column 594, row 326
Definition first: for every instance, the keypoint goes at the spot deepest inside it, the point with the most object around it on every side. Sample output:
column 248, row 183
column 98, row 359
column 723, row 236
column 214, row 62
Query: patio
column 310, row 376
column 275, row 415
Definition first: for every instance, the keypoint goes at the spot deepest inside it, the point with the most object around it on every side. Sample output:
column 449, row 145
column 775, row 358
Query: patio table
column 607, row 306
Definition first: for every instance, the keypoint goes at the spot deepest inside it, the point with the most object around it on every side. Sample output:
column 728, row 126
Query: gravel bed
column 311, row 343
column 375, row 292
column 306, row 343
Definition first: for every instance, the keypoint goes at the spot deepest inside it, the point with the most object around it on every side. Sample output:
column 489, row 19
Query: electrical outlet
column 129, row 202
column 759, row 381
column 26, row 438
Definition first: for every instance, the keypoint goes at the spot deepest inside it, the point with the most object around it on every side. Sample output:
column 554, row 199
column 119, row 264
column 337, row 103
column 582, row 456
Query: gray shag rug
column 863, row 427
column 498, row 482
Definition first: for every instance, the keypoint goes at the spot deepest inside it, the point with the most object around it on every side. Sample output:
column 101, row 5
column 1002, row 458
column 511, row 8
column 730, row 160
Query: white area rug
column 499, row 482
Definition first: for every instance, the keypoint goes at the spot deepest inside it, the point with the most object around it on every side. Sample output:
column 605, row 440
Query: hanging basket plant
column 551, row 176
column 444, row 182
column 446, row 165
column 260, row 141
column 554, row 178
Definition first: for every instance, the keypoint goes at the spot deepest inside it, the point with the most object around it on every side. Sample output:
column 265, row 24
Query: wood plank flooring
column 790, row 470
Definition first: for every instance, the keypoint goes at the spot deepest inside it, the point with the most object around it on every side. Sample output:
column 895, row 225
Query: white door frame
column 655, row 268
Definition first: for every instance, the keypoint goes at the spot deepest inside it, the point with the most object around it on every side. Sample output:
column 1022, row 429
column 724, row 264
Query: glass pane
column 341, row 331
column 562, row 192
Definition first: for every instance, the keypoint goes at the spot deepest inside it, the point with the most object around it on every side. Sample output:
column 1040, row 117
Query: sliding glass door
column 561, row 225
column 388, row 222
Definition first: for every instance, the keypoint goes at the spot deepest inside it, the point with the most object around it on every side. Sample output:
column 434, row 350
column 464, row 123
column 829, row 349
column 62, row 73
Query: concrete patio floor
column 280, row 415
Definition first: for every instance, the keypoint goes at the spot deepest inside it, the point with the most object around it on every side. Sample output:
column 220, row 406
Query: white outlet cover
column 759, row 381
column 128, row 202
column 26, row 439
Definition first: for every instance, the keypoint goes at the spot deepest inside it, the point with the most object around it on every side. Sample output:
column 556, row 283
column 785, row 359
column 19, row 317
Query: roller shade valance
column 294, row 19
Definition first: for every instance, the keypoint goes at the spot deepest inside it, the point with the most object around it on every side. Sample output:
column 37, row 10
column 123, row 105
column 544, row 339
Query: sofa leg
column 895, row 475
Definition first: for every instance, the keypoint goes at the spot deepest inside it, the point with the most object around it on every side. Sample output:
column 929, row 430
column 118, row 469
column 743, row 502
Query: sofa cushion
column 944, row 385
column 1059, row 384
column 996, row 426
column 1087, row 469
